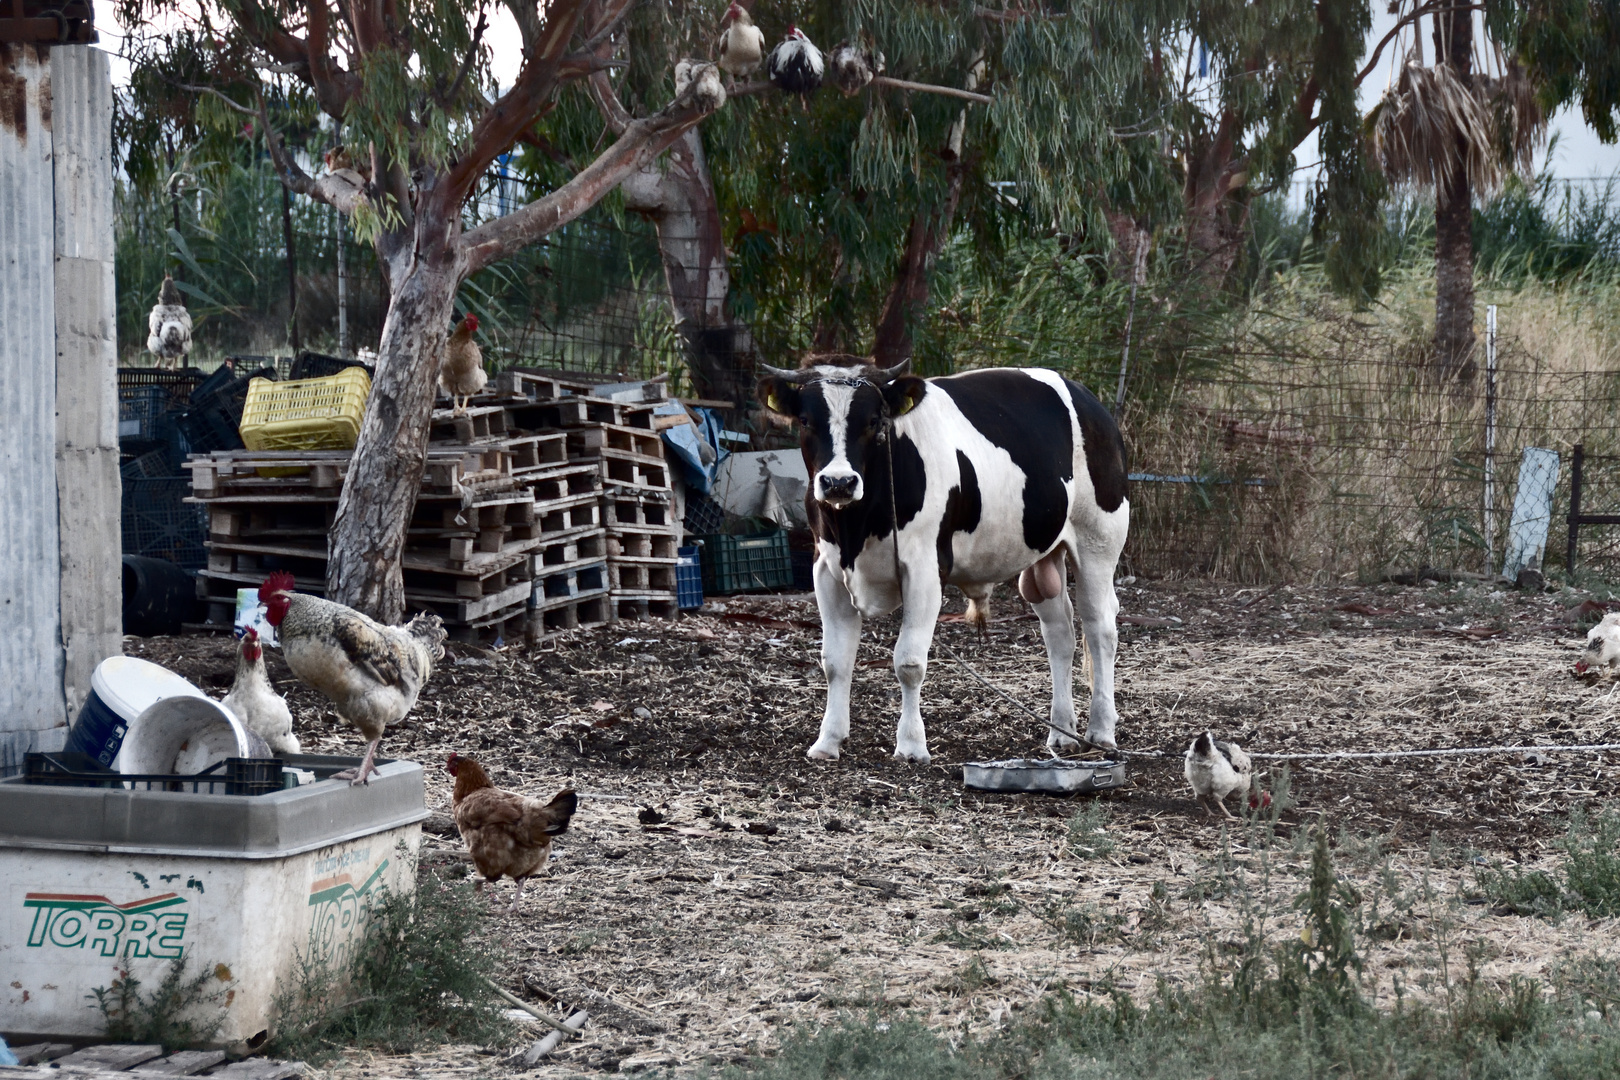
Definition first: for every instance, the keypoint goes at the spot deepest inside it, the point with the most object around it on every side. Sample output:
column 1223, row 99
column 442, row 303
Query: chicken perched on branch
column 507, row 834
column 742, row 44
column 851, row 69
column 707, row 77
column 461, row 371
column 370, row 672
column 795, row 65
column 255, row 702
column 1216, row 770
column 169, row 326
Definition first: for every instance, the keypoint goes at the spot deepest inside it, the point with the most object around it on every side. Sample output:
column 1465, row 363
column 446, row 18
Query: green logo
column 138, row 929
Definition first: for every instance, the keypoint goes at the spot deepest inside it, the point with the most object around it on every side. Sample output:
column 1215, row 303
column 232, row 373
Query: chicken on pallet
column 169, row 327
column 461, row 371
column 255, row 702
column 371, row 673
column 507, row 834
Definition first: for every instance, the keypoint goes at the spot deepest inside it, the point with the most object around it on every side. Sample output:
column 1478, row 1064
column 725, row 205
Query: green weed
column 182, row 1011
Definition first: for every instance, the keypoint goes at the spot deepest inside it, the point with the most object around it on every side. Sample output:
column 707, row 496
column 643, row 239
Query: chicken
column 507, row 834
column 370, row 672
column 461, row 372
column 710, row 92
column 795, row 65
column 850, row 69
column 255, row 702
column 1602, row 647
column 742, row 44
column 1215, row 770
column 169, row 326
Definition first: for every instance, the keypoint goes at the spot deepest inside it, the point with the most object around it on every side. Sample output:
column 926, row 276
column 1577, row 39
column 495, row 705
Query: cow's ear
column 904, row 393
column 779, row 396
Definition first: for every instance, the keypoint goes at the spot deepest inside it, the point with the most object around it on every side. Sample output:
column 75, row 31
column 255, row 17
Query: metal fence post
column 1490, row 436
column 1578, row 459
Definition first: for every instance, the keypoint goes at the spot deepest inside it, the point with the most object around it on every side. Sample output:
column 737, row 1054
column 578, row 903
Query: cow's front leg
column 1099, row 611
column 1057, row 631
column 840, row 641
column 922, row 599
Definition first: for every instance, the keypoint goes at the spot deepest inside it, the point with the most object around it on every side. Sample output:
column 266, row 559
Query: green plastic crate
column 739, row 564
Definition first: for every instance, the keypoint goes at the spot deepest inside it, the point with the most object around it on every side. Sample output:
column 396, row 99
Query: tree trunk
column 1454, row 223
column 678, row 196
column 292, row 268
column 379, row 495
column 892, row 342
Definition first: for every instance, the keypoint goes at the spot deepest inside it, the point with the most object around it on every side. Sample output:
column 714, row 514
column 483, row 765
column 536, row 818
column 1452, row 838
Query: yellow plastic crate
column 306, row 414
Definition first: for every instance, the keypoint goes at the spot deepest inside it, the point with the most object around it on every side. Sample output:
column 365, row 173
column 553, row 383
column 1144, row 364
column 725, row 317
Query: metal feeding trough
column 1053, row 776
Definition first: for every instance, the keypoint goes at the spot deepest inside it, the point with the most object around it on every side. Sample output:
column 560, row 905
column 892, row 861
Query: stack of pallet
column 616, row 443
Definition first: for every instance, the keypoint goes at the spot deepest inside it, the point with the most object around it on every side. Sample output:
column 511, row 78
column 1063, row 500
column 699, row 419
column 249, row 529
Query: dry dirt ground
column 725, row 891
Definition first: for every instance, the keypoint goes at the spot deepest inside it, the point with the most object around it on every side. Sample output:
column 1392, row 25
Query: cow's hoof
column 918, row 754
column 1102, row 742
column 1059, row 743
column 823, row 752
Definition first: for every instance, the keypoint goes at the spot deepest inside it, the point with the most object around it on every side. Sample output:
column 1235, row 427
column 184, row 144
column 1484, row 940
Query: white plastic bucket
column 121, row 689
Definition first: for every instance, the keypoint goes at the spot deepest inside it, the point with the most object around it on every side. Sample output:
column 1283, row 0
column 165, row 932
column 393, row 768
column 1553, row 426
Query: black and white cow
column 998, row 474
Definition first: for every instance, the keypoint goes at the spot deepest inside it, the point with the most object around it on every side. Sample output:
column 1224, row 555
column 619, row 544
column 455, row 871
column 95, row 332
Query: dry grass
column 887, row 888
column 1367, row 462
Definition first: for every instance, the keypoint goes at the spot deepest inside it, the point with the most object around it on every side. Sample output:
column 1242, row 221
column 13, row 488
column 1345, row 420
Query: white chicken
column 710, row 92
column 255, row 702
column 1602, row 646
column 795, row 65
column 1216, row 770
column 742, row 44
column 169, row 326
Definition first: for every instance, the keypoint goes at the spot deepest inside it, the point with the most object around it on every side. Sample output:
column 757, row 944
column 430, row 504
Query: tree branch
column 343, row 193
column 467, row 61
column 1434, row 7
column 210, row 90
column 616, row 116
column 641, row 141
column 759, row 87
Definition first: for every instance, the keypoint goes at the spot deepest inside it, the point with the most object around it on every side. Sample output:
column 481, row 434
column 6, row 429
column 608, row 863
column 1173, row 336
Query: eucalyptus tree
column 422, row 120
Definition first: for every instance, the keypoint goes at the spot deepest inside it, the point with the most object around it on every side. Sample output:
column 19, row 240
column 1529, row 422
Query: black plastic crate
column 179, row 383
column 703, row 515
column 233, row 776
column 739, row 564
column 145, row 412
column 689, row 577
column 223, row 376
column 209, row 428
column 149, row 464
column 160, row 524
column 314, row 365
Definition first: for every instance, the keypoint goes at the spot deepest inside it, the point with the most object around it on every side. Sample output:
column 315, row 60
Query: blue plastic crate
column 159, row 523
column 689, row 578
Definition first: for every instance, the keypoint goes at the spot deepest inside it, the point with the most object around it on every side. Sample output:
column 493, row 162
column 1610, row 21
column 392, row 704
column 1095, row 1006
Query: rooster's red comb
column 250, row 634
column 279, row 582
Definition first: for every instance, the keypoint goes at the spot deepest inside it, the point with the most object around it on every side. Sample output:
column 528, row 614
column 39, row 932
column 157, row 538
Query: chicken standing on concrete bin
column 255, row 702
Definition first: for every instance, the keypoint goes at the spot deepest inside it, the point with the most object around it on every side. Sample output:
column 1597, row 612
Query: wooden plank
column 34, row 1053
column 184, row 1063
column 116, row 1057
column 255, row 1069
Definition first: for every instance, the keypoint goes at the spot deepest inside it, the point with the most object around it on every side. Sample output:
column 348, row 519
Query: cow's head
column 842, row 414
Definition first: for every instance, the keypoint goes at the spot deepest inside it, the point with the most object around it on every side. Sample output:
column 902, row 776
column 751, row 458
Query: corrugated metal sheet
column 87, row 480
column 30, row 569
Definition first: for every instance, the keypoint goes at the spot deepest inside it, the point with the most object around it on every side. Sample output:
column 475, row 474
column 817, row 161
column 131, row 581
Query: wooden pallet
column 538, row 385
column 294, row 476
column 639, row 508
column 579, row 412
column 642, row 544
column 549, row 618
column 635, row 606
column 585, row 442
column 641, row 575
column 582, row 546
column 568, row 515
column 508, row 626
column 45, row 1060
column 633, row 470
column 560, row 481
column 479, row 424
column 571, row 581
column 538, row 453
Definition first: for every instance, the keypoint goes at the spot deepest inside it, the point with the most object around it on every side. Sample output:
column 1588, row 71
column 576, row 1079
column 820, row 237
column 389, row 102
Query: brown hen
column 507, row 834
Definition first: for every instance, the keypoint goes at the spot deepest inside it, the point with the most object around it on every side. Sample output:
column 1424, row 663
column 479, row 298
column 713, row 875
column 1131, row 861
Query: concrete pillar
column 60, row 575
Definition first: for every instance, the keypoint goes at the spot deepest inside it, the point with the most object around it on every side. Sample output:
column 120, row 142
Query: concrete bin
column 95, row 882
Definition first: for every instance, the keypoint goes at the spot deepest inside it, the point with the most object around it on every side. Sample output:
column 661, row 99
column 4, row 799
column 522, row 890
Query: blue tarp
column 696, row 447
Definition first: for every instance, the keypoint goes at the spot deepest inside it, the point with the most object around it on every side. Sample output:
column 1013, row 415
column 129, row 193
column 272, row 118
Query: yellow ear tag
column 910, row 403
column 773, row 404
